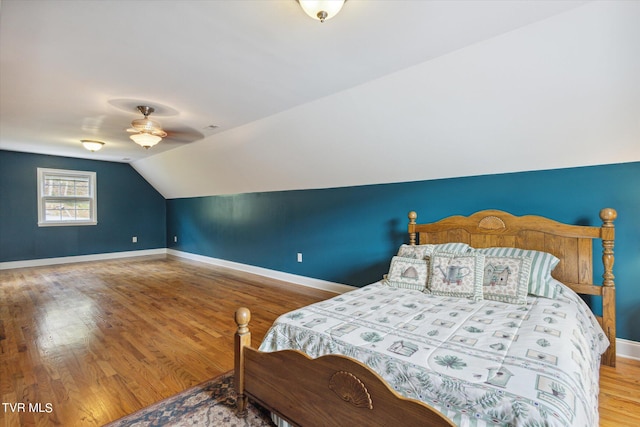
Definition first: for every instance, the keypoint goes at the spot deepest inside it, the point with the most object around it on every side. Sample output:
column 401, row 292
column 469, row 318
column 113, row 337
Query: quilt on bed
column 478, row 362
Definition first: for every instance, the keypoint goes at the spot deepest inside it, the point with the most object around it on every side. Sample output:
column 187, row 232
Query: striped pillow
column 542, row 264
column 423, row 251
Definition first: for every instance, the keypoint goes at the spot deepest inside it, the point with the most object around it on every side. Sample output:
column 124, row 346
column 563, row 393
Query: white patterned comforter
column 478, row 362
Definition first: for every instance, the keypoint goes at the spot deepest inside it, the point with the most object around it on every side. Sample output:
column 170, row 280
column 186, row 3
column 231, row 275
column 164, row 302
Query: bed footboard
column 329, row 390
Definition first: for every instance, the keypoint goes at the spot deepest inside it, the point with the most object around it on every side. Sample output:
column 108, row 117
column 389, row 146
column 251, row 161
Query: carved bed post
column 412, row 227
column 607, row 235
column 242, row 339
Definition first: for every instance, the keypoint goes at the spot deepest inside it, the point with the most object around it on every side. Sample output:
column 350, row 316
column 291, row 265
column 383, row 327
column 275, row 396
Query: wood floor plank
column 99, row 340
column 620, row 394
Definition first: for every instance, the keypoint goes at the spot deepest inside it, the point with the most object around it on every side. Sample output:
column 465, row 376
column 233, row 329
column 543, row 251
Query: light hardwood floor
column 94, row 341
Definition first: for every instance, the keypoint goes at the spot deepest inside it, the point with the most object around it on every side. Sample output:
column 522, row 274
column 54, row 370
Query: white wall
column 562, row 92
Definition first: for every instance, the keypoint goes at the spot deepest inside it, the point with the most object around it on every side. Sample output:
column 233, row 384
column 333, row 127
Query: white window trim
column 92, row 198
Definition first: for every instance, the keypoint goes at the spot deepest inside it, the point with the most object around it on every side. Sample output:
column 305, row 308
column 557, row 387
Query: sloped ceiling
column 387, row 91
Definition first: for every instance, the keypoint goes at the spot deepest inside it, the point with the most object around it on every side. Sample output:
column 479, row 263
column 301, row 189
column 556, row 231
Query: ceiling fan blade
column 158, row 132
column 183, row 134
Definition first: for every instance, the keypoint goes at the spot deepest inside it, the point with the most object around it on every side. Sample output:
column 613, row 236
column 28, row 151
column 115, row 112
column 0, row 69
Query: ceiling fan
column 146, row 132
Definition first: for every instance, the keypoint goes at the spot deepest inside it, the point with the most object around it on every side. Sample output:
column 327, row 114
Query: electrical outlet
column 134, row 239
column 299, row 256
column 175, row 239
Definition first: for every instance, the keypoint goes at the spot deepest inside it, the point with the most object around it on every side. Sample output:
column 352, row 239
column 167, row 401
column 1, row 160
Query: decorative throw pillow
column 458, row 275
column 408, row 273
column 506, row 278
column 542, row 264
column 423, row 251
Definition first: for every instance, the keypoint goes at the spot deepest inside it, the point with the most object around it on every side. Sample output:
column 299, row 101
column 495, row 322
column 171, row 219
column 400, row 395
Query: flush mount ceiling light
column 91, row 144
column 147, row 132
column 321, row 9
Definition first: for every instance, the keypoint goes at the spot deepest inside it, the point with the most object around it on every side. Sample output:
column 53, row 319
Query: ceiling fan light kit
column 145, row 140
column 148, row 132
column 92, row 145
column 321, row 10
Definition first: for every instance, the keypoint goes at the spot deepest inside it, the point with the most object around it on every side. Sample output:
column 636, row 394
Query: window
column 66, row 197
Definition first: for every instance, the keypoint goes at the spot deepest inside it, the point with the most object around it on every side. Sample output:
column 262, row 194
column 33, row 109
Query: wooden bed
column 307, row 391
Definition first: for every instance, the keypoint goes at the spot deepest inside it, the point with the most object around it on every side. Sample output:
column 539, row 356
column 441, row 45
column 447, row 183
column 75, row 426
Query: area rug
column 211, row 403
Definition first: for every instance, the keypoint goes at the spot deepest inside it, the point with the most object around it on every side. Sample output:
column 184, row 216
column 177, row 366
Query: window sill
column 65, row 223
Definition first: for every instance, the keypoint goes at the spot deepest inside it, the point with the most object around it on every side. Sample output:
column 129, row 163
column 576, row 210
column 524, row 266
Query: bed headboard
column 572, row 244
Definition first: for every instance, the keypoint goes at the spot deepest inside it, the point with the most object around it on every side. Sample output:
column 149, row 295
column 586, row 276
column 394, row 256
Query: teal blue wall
column 348, row 235
column 127, row 206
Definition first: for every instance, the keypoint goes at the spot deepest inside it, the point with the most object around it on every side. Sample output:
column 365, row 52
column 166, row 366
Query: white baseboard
column 627, row 348
column 337, row 288
column 624, row 348
column 79, row 258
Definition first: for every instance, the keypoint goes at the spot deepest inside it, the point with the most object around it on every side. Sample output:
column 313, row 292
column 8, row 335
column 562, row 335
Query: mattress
column 478, row 362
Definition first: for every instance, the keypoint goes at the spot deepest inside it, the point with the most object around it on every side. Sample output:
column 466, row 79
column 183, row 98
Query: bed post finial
column 242, row 340
column 412, row 227
column 243, row 317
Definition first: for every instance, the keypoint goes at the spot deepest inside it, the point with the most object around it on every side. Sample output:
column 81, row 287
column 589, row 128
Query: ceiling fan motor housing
column 147, row 125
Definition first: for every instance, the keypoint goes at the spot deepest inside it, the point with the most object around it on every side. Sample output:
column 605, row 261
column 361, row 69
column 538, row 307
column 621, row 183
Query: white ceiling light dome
column 91, row 144
column 321, row 9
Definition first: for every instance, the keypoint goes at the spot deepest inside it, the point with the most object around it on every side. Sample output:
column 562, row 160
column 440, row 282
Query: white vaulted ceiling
column 387, row 91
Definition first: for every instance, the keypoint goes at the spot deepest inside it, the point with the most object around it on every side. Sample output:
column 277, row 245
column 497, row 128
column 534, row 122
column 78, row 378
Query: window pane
column 83, row 214
column 51, row 188
column 67, row 188
column 52, row 204
column 52, row 215
column 82, row 189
